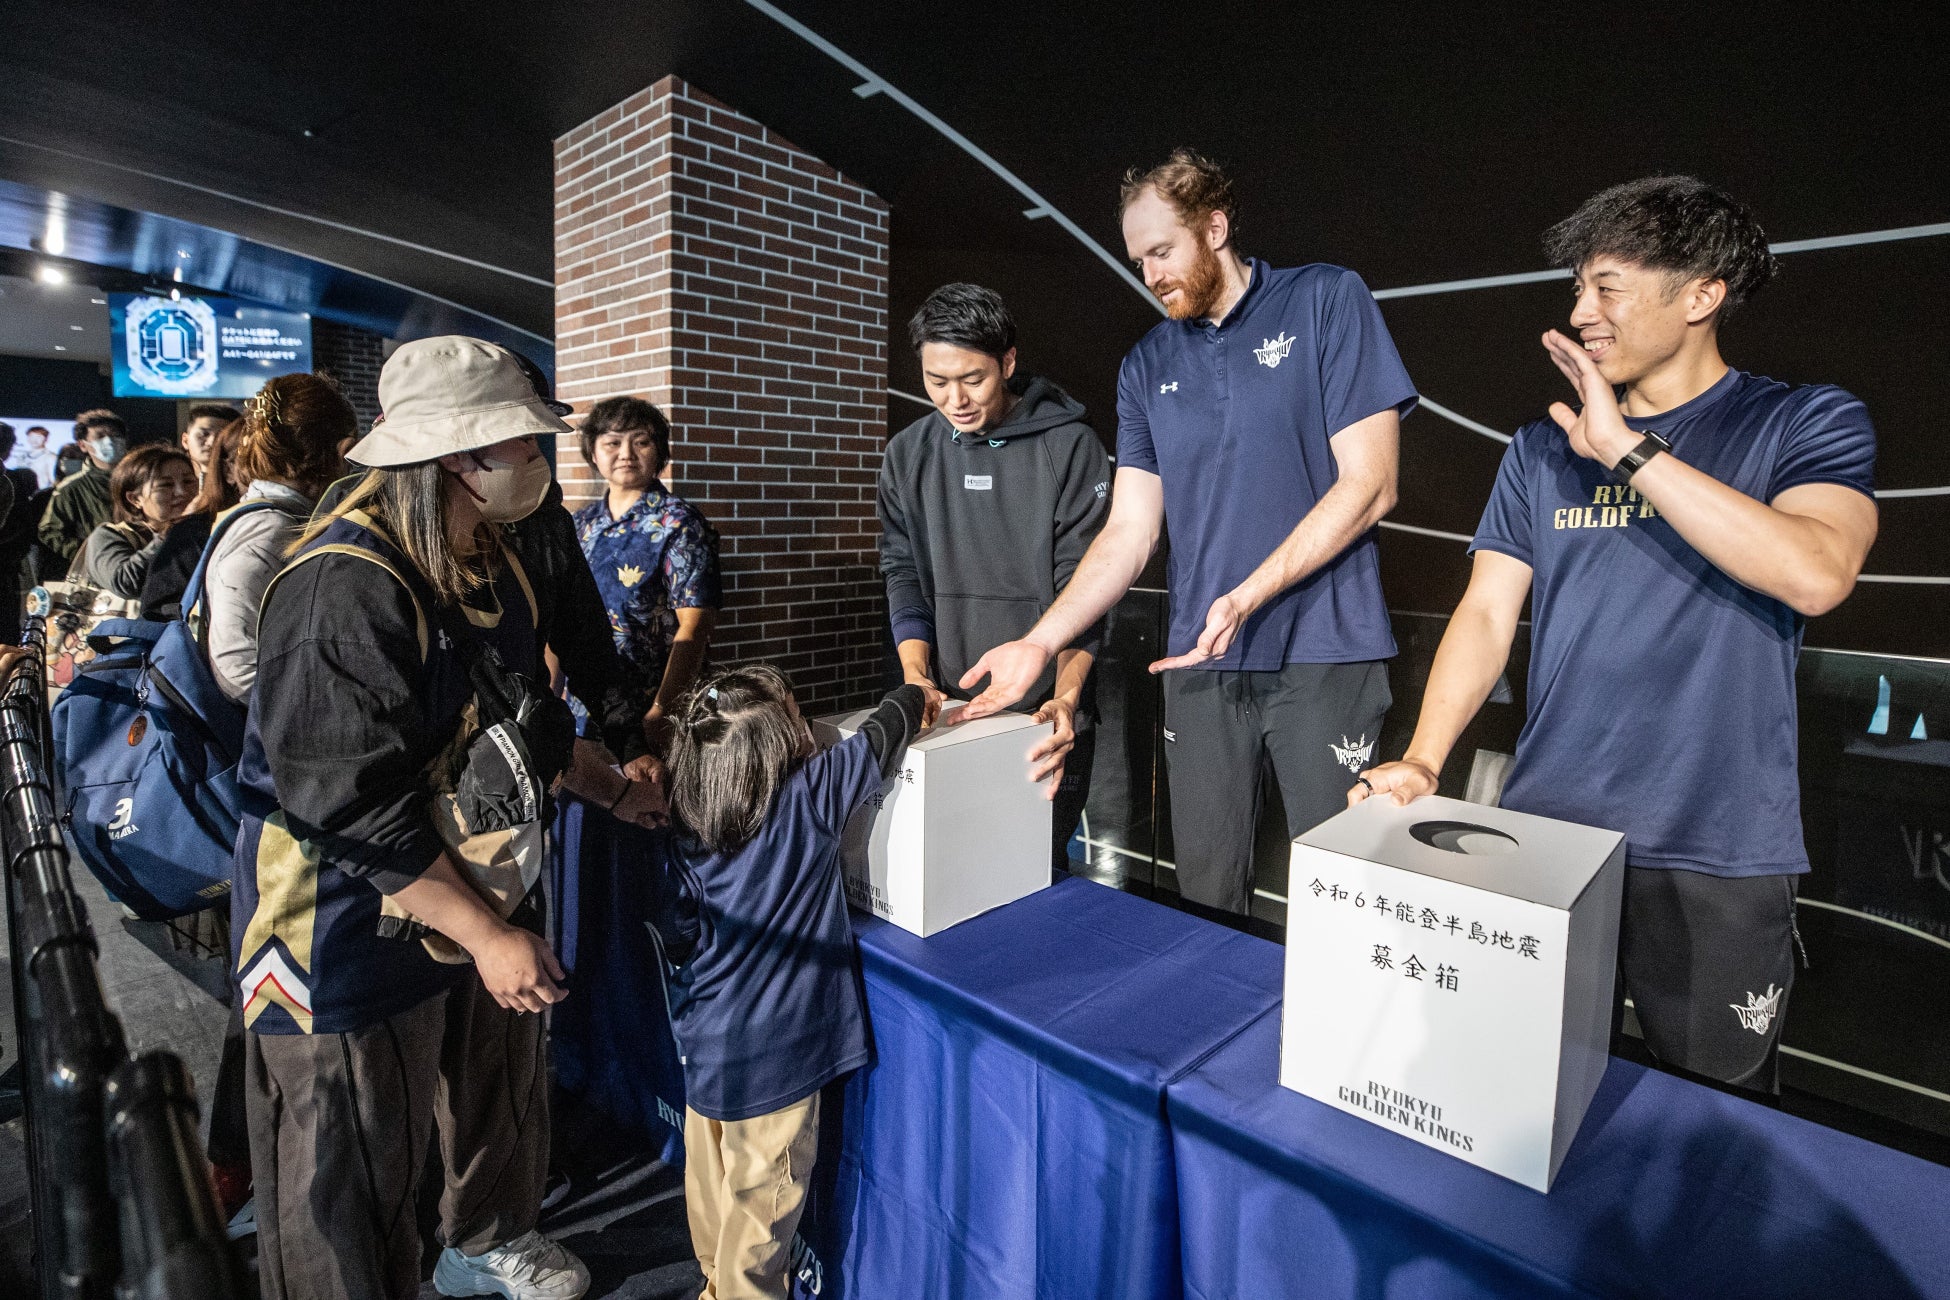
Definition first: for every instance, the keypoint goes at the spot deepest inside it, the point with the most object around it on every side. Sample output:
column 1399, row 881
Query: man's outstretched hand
column 1012, row 668
column 1222, row 623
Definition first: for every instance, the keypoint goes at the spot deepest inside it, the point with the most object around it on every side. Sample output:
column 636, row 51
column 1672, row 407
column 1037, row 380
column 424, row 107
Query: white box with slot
column 1449, row 973
column 958, row 829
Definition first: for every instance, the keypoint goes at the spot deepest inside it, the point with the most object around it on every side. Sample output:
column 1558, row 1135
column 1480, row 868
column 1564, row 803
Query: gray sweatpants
column 339, row 1126
column 1317, row 724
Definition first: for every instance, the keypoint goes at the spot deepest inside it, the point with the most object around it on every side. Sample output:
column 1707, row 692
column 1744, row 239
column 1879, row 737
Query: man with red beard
column 1263, row 420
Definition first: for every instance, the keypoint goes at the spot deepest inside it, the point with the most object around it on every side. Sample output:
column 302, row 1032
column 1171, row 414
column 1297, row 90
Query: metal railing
column 121, row 1199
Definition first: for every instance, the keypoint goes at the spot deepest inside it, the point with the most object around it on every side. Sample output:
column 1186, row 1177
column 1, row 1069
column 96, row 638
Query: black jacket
column 980, row 531
column 571, row 617
column 170, row 572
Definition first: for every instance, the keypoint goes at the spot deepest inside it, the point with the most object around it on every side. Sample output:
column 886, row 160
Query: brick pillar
column 353, row 357
column 740, row 283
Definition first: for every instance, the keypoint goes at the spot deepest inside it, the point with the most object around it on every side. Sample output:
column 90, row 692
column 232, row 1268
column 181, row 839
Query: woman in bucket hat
column 385, row 927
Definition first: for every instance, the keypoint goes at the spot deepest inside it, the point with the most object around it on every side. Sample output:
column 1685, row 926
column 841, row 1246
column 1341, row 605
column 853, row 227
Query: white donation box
column 1449, row 976
column 957, row 830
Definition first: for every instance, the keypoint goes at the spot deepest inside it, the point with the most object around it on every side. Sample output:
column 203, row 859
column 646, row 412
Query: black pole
column 173, row 1241
column 70, row 1041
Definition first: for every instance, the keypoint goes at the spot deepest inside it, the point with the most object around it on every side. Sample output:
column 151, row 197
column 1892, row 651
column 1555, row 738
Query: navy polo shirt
column 768, row 1010
column 1661, row 698
column 1236, row 418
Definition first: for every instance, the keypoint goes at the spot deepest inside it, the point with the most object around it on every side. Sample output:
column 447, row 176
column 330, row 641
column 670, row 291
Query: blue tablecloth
column 610, row 1040
column 1009, row 1140
column 1670, row 1189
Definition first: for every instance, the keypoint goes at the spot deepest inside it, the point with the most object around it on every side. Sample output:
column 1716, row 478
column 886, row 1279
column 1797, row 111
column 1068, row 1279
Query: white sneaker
column 531, row 1267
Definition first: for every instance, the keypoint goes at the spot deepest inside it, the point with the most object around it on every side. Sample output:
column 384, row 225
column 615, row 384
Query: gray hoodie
column 980, row 531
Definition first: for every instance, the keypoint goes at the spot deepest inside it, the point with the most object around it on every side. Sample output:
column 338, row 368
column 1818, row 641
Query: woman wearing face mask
column 81, row 500
column 398, row 740
column 149, row 490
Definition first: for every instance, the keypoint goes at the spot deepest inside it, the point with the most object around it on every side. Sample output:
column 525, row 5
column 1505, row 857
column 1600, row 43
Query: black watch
column 1634, row 460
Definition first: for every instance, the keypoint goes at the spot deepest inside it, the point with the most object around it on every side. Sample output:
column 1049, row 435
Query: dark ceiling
column 1411, row 143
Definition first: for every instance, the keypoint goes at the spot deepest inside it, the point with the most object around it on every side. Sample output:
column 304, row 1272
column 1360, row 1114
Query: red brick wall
column 722, row 272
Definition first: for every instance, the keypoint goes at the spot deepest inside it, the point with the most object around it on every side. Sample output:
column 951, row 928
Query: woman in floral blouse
column 655, row 560
column 655, row 556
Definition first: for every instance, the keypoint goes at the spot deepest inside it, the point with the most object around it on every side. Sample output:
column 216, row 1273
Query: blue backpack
column 146, row 748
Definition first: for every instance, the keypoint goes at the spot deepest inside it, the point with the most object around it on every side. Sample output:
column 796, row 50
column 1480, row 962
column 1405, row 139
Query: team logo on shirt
column 1271, row 353
column 629, row 575
column 1352, row 755
column 1758, row 1014
column 1613, row 505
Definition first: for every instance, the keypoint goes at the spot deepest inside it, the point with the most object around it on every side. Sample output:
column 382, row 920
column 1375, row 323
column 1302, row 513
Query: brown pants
column 338, row 1132
column 744, row 1188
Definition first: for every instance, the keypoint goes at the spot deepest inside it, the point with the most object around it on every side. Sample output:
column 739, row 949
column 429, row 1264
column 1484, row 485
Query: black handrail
column 119, row 1187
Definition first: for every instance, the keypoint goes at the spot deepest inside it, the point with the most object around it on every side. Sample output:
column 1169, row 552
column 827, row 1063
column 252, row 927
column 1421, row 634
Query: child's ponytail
column 735, row 743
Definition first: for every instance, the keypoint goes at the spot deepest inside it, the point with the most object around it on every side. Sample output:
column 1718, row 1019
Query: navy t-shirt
column 1235, row 418
column 767, row 1011
column 1661, row 690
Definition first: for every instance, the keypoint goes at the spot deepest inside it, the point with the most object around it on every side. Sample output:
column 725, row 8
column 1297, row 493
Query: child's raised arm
column 903, row 715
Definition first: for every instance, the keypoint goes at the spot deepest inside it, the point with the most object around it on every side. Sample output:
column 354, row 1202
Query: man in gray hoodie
column 986, row 505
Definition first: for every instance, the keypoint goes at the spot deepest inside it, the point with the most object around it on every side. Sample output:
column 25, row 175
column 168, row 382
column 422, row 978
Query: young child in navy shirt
column 766, row 1007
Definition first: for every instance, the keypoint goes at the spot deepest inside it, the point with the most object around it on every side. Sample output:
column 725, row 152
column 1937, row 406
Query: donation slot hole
column 1464, row 837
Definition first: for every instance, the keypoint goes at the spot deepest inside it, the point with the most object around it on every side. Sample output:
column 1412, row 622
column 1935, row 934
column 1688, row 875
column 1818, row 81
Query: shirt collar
column 653, row 498
column 1687, row 409
column 1256, row 275
column 262, row 489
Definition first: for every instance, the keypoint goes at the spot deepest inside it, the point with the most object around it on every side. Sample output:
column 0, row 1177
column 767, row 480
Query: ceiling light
column 59, row 348
column 175, row 295
column 52, row 275
column 99, row 302
column 75, row 328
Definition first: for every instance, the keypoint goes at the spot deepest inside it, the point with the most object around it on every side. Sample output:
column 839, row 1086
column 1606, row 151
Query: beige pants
column 744, row 1187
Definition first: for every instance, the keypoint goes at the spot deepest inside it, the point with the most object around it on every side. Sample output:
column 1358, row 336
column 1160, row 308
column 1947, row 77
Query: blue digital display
column 201, row 347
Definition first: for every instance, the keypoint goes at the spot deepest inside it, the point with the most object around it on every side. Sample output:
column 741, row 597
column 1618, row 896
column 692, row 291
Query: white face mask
column 108, row 448
column 505, row 493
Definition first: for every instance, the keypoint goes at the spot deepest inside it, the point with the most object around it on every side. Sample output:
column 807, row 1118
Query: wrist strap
column 1634, row 460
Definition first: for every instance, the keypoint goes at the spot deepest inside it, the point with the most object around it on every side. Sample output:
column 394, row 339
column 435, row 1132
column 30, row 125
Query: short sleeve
column 842, row 778
column 1134, row 449
column 1361, row 372
column 1506, row 524
column 1829, row 441
column 691, row 566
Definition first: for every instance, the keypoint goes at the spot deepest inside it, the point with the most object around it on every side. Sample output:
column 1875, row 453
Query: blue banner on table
column 1670, row 1189
column 610, row 1040
column 1008, row 1140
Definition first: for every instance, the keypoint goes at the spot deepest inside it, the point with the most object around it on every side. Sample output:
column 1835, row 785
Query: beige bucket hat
column 449, row 394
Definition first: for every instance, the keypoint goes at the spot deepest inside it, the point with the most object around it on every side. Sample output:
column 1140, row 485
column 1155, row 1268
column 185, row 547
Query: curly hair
column 1193, row 184
column 1676, row 224
column 613, row 413
column 292, row 431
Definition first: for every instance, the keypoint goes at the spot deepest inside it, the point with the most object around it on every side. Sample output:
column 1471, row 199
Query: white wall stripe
column 880, row 85
column 1786, row 246
column 1436, row 408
